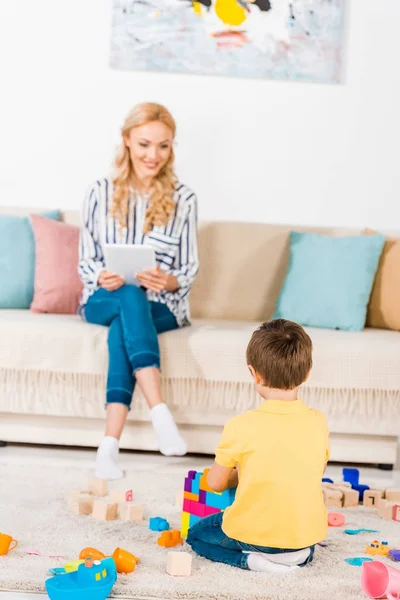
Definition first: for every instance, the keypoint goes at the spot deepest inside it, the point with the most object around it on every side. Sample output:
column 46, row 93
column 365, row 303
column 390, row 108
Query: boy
column 276, row 456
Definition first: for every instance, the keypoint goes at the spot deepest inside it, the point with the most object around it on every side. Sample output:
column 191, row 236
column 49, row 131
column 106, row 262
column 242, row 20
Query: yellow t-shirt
column 281, row 450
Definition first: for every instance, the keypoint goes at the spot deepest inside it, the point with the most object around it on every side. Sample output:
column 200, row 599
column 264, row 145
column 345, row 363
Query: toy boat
column 93, row 580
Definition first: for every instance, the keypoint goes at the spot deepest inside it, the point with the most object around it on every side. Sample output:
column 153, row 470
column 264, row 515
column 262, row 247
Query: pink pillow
column 57, row 286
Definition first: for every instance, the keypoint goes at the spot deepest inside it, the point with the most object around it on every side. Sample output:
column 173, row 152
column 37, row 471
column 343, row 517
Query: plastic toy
column 158, row 524
column 377, row 548
column 57, row 571
column 394, row 554
column 352, row 476
column 125, row 561
column 336, row 519
column 357, row 561
column 199, row 500
column 179, row 564
column 92, row 581
column 73, row 565
column 168, row 539
column 91, row 553
column 6, row 544
column 380, row 581
column 327, row 480
column 357, row 531
column 33, row 552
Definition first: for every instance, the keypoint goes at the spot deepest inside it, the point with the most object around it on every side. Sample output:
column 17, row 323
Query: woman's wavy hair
column 161, row 204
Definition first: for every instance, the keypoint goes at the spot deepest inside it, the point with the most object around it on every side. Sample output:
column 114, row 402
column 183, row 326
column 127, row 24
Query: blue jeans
column 207, row 539
column 133, row 323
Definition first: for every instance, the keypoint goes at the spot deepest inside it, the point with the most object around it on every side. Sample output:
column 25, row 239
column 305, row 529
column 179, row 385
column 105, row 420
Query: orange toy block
column 385, row 509
column 393, row 495
column 350, row 498
column 82, row 504
column 190, row 496
column 203, row 482
column 98, row 487
column 372, row 498
column 128, row 511
column 170, row 538
column 179, row 564
column 333, row 498
column 104, row 510
column 121, row 495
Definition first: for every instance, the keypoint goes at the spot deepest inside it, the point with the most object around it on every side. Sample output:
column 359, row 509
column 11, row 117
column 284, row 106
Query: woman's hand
column 110, row 281
column 157, row 281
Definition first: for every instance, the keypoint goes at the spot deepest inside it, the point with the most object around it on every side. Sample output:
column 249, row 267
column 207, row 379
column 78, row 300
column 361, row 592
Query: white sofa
column 53, row 367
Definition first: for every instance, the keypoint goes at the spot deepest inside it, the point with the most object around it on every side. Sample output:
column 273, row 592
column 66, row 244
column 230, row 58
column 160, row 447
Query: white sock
column 169, row 439
column 289, row 558
column 107, row 459
column 259, row 562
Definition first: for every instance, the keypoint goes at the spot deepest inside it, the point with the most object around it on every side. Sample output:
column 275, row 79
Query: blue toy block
column 327, row 480
column 194, row 519
column 196, row 484
column 351, row 476
column 158, row 524
column 221, row 501
column 361, row 489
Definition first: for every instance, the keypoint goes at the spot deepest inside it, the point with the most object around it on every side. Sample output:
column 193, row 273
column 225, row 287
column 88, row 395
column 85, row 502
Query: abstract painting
column 280, row 39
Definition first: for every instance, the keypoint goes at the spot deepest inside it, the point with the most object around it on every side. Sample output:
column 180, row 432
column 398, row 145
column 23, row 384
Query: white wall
column 252, row 150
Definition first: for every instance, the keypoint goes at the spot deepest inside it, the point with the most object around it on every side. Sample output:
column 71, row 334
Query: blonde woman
column 143, row 203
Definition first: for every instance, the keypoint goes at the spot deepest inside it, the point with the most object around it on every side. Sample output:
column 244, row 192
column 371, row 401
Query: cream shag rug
column 33, row 509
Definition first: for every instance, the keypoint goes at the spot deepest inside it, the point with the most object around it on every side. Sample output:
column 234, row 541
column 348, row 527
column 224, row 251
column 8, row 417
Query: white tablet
column 129, row 259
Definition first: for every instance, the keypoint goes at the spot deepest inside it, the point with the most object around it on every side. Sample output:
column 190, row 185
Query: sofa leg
column 2, row 444
column 385, row 467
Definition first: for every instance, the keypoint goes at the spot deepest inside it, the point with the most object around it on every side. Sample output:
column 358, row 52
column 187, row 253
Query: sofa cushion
column 329, row 280
column 384, row 305
column 209, row 350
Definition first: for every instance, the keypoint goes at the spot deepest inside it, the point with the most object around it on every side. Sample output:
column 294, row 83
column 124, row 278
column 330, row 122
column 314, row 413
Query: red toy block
column 197, row 509
column 187, row 505
column 396, row 513
column 210, row 510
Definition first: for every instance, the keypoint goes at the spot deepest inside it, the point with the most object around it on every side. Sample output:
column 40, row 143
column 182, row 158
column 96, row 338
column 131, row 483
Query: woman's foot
column 170, row 442
column 107, row 459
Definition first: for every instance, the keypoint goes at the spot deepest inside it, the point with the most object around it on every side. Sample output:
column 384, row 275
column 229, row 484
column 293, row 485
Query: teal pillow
column 17, row 259
column 329, row 280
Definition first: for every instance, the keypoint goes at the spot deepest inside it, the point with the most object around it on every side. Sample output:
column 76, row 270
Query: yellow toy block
column 185, row 524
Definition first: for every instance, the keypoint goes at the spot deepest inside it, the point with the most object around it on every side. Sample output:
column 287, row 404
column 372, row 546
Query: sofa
column 53, row 367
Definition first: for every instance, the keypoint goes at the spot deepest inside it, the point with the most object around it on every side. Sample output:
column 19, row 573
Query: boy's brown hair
column 280, row 352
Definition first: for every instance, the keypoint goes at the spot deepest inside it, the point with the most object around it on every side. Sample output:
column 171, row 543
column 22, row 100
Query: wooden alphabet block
column 121, row 495
column 104, row 509
column 393, row 495
column 128, row 511
column 179, row 564
column 350, row 498
column 372, row 498
column 396, row 513
column 333, row 498
column 385, row 509
column 82, row 504
column 98, row 487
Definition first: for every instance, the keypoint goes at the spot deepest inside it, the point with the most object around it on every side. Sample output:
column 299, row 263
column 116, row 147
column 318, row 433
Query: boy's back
column 281, row 450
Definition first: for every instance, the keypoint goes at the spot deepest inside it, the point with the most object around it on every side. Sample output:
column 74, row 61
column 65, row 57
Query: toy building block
column 352, row 476
column 73, row 497
column 350, row 498
column 158, row 524
column 372, row 498
column 396, row 513
column 179, row 564
column 104, row 509
column 168, row 539
column 121, row 495
column 393, row 495
column 82, row 504
column 333, row 498
column 385, row 509
column 127, row 511
column 98, row 487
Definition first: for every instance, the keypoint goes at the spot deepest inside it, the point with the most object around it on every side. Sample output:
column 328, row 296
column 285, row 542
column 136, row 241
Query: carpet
column 33, row 509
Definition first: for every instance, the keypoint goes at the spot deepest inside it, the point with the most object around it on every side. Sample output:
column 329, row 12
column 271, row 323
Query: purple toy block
column 203, row 497
column 191, row 474
column 210, row 510
column 188, row 484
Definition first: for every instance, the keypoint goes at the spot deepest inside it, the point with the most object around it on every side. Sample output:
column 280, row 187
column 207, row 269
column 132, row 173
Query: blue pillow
column 329, row 280
column 17, row 259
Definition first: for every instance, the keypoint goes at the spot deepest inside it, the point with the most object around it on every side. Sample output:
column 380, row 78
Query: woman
column 142, row 204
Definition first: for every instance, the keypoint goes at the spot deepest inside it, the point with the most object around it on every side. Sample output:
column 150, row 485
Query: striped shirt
column 175, row 244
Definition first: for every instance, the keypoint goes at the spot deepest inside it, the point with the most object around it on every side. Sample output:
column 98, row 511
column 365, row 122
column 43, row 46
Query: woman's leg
column 207, row 539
